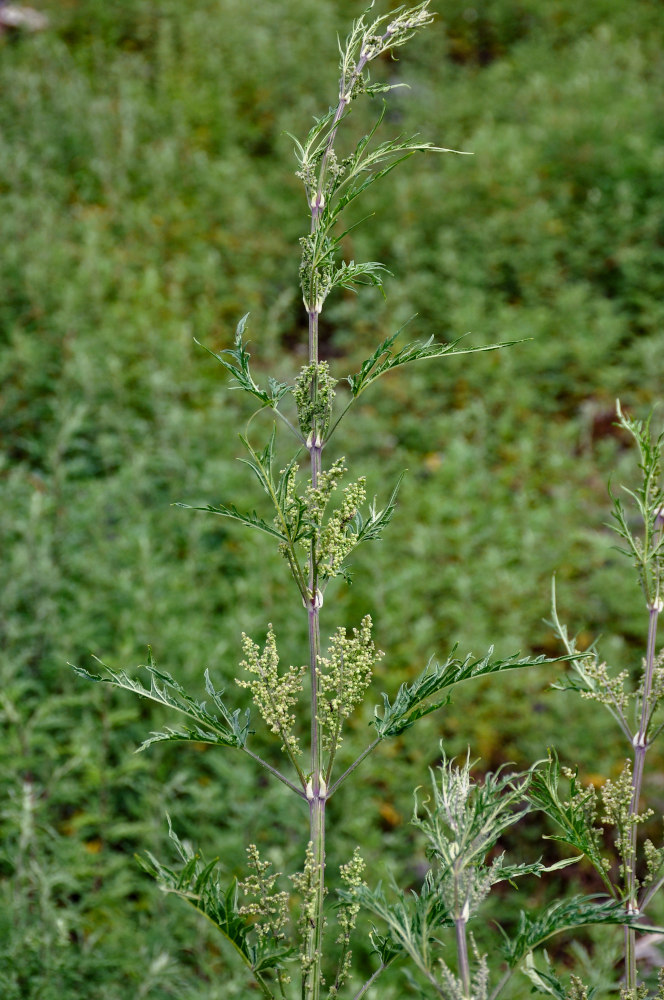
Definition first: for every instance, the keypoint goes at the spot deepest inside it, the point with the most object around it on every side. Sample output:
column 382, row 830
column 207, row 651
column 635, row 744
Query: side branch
column 349, row 770
column 276, row 773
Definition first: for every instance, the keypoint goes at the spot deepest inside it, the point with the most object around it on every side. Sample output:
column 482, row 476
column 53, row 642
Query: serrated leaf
column 565, row 915
column 226, row 729
column 231, row 511
column 507, row 873
column 412, row 918
column 371, row 529
column 198, row 883
column 238, row 368
column 350, row 274
column 260, row 463
column 412, row 700
column 384, row 359
column 570, row 814
column 545, row 981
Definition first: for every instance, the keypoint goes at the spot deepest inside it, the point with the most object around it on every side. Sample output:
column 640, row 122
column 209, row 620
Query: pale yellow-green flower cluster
column 306, row 883
column 314, row 408
column 657, row 678
column 606, row 690
column 274, row 694
column 351, row 875
column 270, row 908
column 318, row 499
column 576, row 990
column 343, row 677
column 335, row 540
column 616, row 799
column 654, row 860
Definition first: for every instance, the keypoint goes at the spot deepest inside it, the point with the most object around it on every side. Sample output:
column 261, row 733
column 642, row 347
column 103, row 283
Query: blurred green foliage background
column 147, row 197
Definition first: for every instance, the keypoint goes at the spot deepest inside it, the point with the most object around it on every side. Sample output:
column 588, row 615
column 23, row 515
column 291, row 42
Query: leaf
column 565, row 915
column 351, row 274
column 372, row 529
column 545, row 981
column 238, row 367
column 571, row 815
column 364, row 164
column 384, row 359
column 260, row 464
column 411, row 702
column 412, row 918
column 252, row 520
column 226, row 729
column 507, row 873
column 198, row 883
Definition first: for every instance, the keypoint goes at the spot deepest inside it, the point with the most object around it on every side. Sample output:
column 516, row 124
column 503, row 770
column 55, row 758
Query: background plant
column 633, row 701
column 145, row 197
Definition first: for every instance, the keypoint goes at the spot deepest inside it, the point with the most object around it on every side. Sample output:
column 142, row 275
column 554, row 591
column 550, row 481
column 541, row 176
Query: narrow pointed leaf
column 231, row 511
column 384, row 359
column 565, row 915
column 198, row 883
column 229, row 729
column 412, row 701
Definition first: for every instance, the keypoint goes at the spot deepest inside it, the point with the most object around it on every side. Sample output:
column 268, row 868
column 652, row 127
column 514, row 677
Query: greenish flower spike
column 316, row 500
column 351, row 876
column 577, row 990
column 617, row 799
column 314, row 396
column 336, row 540
column 273, row 694
column 268, row 906
column 306, row 884
column 343, row 677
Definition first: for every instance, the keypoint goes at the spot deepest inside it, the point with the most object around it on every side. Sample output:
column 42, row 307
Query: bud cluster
column 273, row 693
column 270, row 908
column 314, row 395
column 343, row 677
column 336, row 541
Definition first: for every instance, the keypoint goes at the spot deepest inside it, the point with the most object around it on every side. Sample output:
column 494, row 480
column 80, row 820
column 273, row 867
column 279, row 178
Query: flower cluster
column 336, row 541
column 269, row 907
column 604, row 688
column 576, row 990
column 273, row 693
column 314, row 407
column 306, row 883
column 617, row 802
column 654, row 860
column 316, row 500
column 343, row 677
column 351, row 875
column 317, row 263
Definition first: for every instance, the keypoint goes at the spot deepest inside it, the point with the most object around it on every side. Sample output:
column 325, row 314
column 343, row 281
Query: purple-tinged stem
column 640, row 750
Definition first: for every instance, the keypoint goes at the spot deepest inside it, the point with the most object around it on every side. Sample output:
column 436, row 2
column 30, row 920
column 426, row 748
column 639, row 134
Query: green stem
column 381, row 968
column 278, row 774
column 462, row 955
column 316, row 792
column 501, row 984
column 356, row 763
column 640, row 749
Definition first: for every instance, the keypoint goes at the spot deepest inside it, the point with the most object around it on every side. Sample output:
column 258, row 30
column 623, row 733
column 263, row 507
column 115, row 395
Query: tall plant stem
column 640, row 750
column 317, row 786
column 316, row 790
column 317, row 793
column 462, row 955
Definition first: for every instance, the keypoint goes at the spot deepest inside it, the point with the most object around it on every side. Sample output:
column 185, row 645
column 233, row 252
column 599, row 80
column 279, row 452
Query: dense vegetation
column 147, row 198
